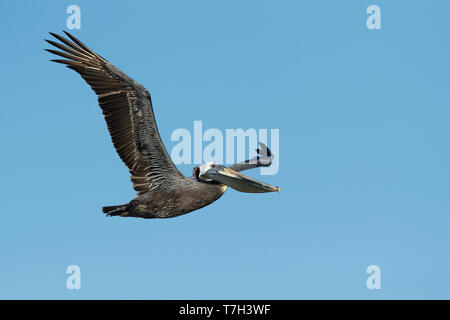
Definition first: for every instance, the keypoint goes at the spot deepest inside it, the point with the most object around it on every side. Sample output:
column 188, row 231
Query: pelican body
column 162, row 191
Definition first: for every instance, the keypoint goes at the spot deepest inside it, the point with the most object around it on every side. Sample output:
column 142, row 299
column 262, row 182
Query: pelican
column 162, row 190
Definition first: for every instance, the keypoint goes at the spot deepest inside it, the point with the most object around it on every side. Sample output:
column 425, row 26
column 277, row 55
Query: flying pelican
column 162, row 191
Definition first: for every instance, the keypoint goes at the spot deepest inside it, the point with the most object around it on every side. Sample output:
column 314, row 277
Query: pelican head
column 211, row 172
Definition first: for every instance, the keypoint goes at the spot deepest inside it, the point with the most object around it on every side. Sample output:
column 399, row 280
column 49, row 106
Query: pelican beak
column 238, row 181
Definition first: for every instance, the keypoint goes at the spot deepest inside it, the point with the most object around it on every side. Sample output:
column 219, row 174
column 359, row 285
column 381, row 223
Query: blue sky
column 364, row 158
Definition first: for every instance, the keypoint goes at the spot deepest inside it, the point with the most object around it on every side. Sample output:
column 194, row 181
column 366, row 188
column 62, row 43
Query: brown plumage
column 162, row 191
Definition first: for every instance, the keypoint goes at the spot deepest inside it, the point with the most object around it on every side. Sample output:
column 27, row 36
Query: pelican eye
column 213, row 165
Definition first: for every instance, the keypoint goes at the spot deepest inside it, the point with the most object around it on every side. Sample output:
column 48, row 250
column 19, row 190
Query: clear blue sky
column 364, row 150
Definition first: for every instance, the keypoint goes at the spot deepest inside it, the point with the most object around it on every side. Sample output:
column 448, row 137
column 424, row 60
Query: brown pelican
column 162, row 191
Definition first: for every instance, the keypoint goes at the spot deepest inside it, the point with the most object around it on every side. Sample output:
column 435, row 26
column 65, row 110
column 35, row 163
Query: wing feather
column 263, row 159
column 128, row 111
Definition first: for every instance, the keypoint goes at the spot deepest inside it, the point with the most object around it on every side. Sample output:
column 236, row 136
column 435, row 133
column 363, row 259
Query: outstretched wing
column 128, row 112
column 263, row 159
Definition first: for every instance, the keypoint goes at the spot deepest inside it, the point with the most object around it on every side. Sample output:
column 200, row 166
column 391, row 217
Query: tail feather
column 115, row 210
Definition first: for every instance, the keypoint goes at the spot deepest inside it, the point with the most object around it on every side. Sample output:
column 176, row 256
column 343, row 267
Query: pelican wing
column 263, row 159
column 128, row 112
